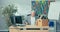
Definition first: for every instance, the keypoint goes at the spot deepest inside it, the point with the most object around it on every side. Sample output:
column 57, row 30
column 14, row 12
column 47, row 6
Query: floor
column 58, row 27
column 4, row 31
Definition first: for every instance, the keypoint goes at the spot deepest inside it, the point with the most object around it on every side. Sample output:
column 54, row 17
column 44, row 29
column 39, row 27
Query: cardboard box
column 42, row 22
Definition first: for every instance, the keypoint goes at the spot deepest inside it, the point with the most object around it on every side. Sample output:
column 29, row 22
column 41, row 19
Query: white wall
column 24, row 5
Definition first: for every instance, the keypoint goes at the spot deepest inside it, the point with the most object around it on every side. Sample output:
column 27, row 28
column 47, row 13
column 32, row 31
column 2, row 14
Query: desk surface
column 28, row 26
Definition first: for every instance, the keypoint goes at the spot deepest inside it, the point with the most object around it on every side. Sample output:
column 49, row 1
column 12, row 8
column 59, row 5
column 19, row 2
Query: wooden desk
column 28, row 28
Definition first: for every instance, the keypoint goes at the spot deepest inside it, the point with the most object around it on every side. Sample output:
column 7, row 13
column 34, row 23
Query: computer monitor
column 12, row 18
column 16, row 20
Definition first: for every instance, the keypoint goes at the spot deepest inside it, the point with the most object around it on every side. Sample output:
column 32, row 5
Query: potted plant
column 8, row 11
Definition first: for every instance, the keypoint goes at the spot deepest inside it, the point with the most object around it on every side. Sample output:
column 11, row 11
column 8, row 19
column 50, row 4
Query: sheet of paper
column 54, row 10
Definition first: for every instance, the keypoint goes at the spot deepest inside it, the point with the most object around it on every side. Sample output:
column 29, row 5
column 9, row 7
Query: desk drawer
column 33, row 30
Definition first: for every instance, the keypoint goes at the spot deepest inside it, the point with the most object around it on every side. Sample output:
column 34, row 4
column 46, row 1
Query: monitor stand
column 22, row 25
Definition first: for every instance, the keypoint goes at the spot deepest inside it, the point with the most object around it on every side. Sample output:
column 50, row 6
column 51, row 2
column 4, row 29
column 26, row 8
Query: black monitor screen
column 18, row 19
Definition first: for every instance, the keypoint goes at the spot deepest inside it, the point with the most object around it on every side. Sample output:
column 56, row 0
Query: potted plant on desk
column 8, row 11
